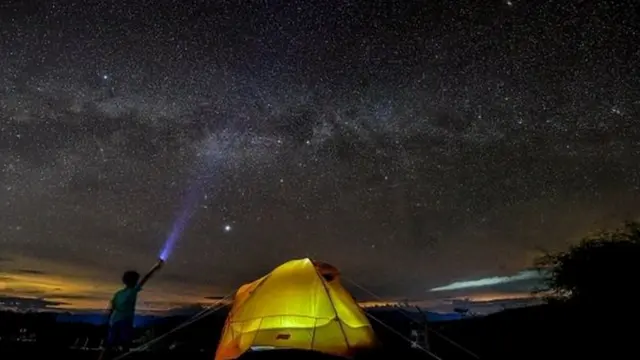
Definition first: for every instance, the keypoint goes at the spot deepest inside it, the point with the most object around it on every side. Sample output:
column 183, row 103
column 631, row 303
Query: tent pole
column 333, row 305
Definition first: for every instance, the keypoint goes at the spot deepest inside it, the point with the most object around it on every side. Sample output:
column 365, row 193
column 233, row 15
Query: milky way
column 410, row 145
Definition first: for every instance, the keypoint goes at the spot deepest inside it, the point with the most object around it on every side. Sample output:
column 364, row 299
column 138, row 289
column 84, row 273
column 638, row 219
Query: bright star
column 227, row 228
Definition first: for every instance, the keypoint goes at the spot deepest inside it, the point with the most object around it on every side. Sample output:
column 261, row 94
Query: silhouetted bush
column 599, row 271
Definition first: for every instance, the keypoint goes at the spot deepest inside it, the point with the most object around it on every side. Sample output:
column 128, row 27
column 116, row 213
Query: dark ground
column 542, row 332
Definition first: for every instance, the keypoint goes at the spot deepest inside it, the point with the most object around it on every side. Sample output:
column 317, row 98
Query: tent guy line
column 402, row 311
column 409, row 341
column 209, row 310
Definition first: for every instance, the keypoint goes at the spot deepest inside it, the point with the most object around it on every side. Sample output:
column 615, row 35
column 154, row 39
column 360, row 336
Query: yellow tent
column 299, row 305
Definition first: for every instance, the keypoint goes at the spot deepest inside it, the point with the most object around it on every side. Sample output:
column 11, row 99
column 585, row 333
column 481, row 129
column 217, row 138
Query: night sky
column 410, row 144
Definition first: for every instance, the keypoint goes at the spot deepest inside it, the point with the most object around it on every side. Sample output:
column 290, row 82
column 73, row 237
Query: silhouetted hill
column 540, row 332
column 99, row 318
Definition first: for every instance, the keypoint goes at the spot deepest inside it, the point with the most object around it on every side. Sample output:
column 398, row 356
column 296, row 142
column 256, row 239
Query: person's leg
column 112, row 340
column 126, row 333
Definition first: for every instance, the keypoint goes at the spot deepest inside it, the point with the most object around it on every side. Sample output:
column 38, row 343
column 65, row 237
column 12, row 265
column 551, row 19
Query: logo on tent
column 283, row 336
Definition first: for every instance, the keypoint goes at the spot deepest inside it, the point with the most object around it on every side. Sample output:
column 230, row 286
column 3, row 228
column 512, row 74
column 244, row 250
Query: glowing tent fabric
column 299, row 305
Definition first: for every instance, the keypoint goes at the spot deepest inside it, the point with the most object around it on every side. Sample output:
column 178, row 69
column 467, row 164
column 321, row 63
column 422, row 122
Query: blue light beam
column 186, row 212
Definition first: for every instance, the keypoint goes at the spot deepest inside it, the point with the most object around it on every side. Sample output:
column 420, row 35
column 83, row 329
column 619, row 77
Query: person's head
column 130, row 278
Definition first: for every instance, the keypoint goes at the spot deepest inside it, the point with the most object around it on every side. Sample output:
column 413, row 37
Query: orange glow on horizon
column 75, row 288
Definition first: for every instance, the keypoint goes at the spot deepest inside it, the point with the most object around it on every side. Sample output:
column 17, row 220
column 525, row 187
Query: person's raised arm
column 146, row 278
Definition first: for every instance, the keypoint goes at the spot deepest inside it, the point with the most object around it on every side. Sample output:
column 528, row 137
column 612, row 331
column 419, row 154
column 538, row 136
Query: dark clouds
column 410, row 146
column 31, row 271
column 488, row 306
column 21, row 303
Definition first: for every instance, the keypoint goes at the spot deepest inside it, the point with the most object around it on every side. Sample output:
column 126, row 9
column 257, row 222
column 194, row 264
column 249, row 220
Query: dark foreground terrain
column 542, row 332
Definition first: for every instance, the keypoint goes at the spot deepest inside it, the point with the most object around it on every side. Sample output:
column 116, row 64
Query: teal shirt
column 123, row 304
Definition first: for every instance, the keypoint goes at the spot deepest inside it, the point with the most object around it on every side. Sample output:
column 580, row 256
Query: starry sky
column 411, row 144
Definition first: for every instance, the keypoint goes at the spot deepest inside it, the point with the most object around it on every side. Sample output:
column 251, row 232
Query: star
column 414, row 147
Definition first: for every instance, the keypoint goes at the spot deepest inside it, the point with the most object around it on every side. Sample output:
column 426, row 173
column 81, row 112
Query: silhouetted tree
column 600, row 270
